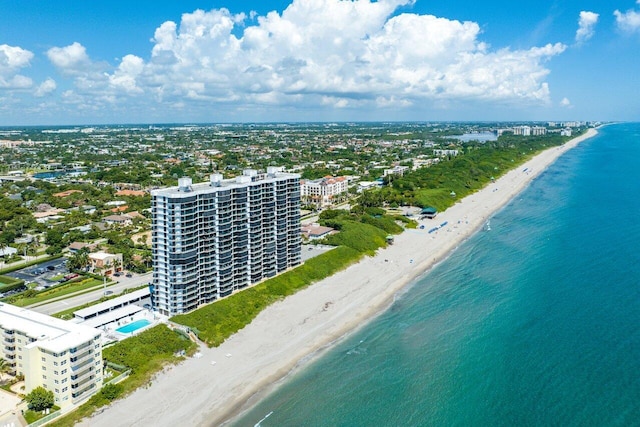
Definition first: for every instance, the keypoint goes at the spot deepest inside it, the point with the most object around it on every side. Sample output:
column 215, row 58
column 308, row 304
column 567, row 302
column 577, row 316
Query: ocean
column 533, row 323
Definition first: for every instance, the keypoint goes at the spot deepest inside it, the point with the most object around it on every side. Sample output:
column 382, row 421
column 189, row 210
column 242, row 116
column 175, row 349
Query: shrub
column 111, row 391
column 39, row 399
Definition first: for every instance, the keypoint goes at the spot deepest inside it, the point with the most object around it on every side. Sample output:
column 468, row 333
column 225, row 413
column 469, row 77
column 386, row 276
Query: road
column 75, row 301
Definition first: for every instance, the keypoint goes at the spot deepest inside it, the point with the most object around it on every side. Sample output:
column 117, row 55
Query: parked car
column 129, row 275
column 117, row 274
column 51, row 267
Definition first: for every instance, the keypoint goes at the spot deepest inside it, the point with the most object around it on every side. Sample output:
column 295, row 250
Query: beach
column 210, row 389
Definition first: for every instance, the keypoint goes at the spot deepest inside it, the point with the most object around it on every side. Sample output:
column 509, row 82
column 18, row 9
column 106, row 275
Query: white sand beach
column 210, row 389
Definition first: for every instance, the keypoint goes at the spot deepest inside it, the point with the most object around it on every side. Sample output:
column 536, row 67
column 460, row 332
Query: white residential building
column 61, row 356
column 323, row 192
column 538, row 130
column 396, row 170
column 522, row 130
column 445, row 153
column 211, row 239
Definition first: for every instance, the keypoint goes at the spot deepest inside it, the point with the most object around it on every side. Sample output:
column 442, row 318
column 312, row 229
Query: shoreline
column 289, row 334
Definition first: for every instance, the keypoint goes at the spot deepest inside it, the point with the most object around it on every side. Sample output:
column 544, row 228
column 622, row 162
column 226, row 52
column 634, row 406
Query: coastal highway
column 75, row 301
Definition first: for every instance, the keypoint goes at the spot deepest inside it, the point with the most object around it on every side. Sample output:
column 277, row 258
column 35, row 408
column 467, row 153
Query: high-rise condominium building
column 212, row 238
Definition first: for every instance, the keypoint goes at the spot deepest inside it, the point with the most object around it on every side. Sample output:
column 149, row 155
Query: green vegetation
column 40, row 399
column 216, row 322
column 35, row 297
column 8, row 283
column 442, row 184
column 145, row 354
column 360, row 234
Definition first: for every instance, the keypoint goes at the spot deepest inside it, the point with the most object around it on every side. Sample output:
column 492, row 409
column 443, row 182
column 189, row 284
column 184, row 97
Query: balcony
column 77, row 396
column 76, row 378
column 80, row 361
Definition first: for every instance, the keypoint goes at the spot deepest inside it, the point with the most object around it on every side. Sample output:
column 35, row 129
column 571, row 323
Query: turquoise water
column 534, row 323
column 133, row 326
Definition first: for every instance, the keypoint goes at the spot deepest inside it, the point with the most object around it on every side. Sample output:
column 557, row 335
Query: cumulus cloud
column 45, row 88
column 629, row 21
column 12, row 59
column 317, row 53
column 586, row 26
column 565, row 103
column 69, row 59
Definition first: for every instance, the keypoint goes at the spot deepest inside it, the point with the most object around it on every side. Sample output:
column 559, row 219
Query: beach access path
column 212, row 388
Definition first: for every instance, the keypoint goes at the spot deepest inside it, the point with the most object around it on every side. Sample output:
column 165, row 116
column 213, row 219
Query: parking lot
column 42, row 273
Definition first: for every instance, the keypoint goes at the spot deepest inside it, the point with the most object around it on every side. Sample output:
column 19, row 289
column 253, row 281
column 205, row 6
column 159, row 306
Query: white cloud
column 318, row 53
column 565, row 103
column 70, row 58
column 629, row 21
column 45, row 88
column 586, row 26
column 125, row 76
column 12, row 59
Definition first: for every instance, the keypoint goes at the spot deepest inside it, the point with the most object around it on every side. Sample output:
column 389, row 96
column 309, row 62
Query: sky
column 73, row 62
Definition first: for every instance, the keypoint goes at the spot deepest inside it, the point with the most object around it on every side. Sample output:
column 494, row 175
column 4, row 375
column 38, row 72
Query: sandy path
column 201, row 392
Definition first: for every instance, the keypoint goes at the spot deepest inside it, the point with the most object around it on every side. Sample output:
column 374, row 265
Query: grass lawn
column 59, row 291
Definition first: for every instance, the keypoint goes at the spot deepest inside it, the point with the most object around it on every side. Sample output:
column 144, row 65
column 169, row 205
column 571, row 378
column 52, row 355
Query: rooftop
column 52, row 334
column 216, row 182
column 114, row 302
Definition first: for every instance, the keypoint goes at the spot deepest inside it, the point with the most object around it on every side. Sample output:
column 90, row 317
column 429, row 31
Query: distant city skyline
column 73, row 62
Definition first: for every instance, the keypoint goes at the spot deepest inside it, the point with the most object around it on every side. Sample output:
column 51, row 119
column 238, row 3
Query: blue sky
column 79, row 62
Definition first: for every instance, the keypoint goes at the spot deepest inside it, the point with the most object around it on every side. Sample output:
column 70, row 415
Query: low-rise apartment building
column 324, row 191
column 61, row 356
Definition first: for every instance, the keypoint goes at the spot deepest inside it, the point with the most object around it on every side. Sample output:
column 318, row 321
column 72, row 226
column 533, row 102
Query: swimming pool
column 133, row 326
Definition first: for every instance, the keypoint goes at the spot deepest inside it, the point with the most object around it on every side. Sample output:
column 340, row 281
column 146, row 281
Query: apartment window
column 44, row 377
column 64, row 380
column 44, row 368
column 55, row 372
column 64, row 371
column 57, row 382
column 55, row 363
column 57, row 391
column 65, row 389
column 44, row 359
column 64, row 362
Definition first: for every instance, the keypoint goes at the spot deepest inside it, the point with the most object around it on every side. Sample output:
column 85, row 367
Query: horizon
column 296, row 123
column 302, row 61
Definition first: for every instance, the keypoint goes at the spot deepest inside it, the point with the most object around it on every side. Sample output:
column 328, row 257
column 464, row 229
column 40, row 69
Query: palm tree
column 116, row 264
column 5, row 367
column 107, row 267
column 79, row 260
